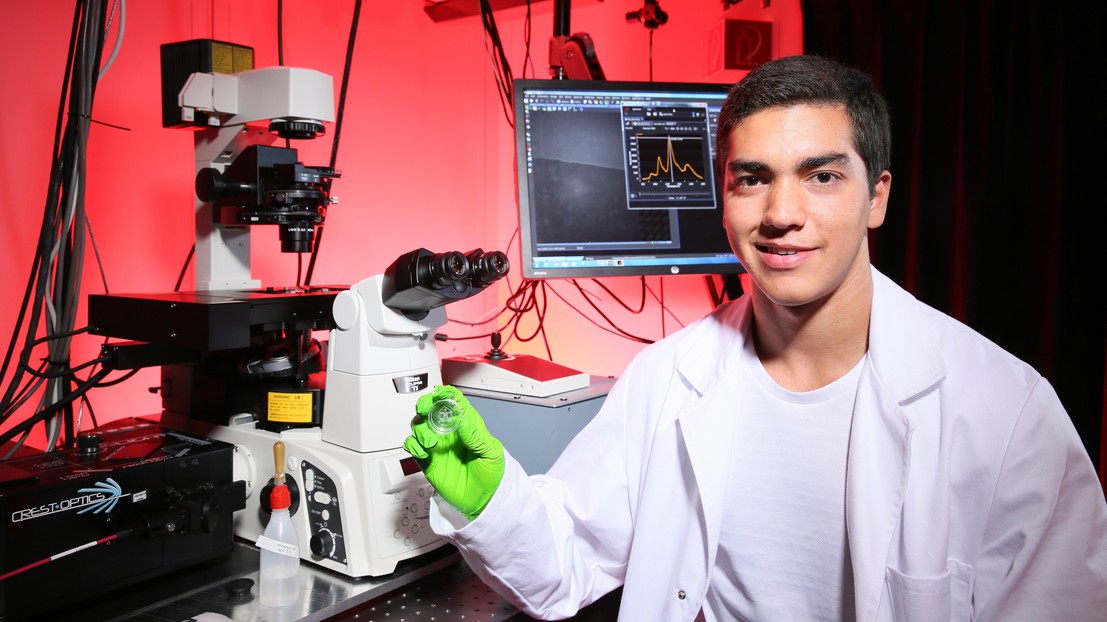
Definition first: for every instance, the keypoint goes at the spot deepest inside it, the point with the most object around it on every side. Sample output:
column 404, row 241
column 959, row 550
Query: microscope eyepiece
column 487, row 268
column 445, row 269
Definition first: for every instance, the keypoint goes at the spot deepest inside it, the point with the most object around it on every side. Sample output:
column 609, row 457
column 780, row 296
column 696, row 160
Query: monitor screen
column 618, row 178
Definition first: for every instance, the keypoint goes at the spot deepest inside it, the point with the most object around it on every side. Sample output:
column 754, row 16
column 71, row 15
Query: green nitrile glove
column 465, row 466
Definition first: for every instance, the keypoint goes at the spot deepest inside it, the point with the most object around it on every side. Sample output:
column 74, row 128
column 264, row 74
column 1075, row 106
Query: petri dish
column 444, row 416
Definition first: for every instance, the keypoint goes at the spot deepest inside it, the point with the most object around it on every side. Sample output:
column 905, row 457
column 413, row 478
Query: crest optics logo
column 101, row 497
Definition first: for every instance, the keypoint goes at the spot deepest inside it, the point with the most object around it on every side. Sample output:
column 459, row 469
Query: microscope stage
column 210, row 320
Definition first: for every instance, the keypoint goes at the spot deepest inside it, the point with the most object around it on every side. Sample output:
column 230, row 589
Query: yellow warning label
column 227, row 58
column 222, row 58
column 290, row 407
column 243, row 59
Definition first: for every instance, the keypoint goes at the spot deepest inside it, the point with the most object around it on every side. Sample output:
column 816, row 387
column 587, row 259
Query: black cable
column 57, row 269
column 88, row 403
column 664, row 308
column 50, row 410
column 527, row 60
column 531, row 303
column 641, row 304
column 445, row 337
column 528, row 292
column 280, row 33
column 337, row 131
column 115, row 381
column 24, row 394
column 184, row 268
column 68, row 252
column 345, row 82
column 712, row 290
column 45, row 241
column 96, row 253
column 25, row 354
column 622, row 332
column 501, row 68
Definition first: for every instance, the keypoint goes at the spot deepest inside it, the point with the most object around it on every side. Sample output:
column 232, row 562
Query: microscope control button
column 322, row 497
column 322, row 543
column 309, row 480
column 325, row 514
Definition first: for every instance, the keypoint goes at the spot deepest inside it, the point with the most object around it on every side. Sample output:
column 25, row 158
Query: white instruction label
column 276, row 546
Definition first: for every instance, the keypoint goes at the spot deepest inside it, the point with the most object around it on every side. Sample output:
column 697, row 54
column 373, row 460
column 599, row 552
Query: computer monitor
column 618, row 178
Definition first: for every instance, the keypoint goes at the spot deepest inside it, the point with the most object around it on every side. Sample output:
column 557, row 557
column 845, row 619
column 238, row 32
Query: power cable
column 528, row 62
column 337, row 131
column 500, row 66
column 54, row 285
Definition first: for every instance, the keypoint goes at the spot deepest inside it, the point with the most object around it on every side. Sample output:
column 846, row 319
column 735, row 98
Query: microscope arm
column 381, row 357
column 378, row 364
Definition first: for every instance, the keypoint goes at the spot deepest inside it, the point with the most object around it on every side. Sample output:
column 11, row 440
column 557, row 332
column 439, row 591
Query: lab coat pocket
column 915, row 599
column 960, row 590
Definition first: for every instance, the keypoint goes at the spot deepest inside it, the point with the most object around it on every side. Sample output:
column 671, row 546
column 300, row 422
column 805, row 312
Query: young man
column 824, row 448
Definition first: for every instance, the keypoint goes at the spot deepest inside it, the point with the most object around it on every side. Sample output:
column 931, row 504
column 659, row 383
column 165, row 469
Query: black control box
column 134, row 501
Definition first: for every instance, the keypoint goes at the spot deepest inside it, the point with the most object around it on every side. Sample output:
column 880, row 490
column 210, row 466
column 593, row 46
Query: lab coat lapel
column 876, row 477
column 902, row 364
column 706, row 427
column 707, row 424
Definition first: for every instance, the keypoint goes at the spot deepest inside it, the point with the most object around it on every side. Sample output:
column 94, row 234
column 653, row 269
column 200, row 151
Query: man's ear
column 878, row 205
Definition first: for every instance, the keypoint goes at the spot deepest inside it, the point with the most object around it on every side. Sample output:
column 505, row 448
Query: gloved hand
column 465, row 466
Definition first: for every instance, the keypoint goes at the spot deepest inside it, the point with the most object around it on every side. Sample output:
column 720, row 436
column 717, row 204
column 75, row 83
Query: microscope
column 239, row 361
column 359, row 501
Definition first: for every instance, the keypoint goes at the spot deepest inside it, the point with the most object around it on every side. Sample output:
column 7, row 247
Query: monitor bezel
column 527, row 247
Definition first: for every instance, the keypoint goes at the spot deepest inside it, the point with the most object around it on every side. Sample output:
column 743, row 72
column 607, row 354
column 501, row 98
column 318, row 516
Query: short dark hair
column 819, row 81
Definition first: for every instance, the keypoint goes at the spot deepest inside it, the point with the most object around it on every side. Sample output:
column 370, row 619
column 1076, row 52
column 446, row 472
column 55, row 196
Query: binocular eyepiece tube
column 421, row 280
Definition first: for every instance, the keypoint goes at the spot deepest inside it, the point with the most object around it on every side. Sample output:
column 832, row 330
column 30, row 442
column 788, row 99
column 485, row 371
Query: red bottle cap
column 279, row 499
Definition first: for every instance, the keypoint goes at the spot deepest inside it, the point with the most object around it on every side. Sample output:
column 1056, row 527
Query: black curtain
column 998, row 181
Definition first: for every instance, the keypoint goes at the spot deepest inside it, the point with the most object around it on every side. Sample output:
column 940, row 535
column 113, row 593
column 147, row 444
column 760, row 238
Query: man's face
column 797, row 203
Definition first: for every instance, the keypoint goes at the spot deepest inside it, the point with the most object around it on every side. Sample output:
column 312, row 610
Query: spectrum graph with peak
column 675, row 159
column 668, row 157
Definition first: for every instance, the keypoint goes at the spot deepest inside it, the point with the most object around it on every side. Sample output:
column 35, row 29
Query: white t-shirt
column 783, row 553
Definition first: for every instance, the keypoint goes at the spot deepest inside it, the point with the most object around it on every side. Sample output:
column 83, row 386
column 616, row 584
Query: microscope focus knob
column 345, row 310
column 322, row 543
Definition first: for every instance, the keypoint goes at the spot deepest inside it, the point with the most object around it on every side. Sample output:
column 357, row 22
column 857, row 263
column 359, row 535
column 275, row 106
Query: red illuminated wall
column 426, row 153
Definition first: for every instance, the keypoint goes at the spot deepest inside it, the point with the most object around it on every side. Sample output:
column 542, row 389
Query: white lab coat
column 969, row 495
